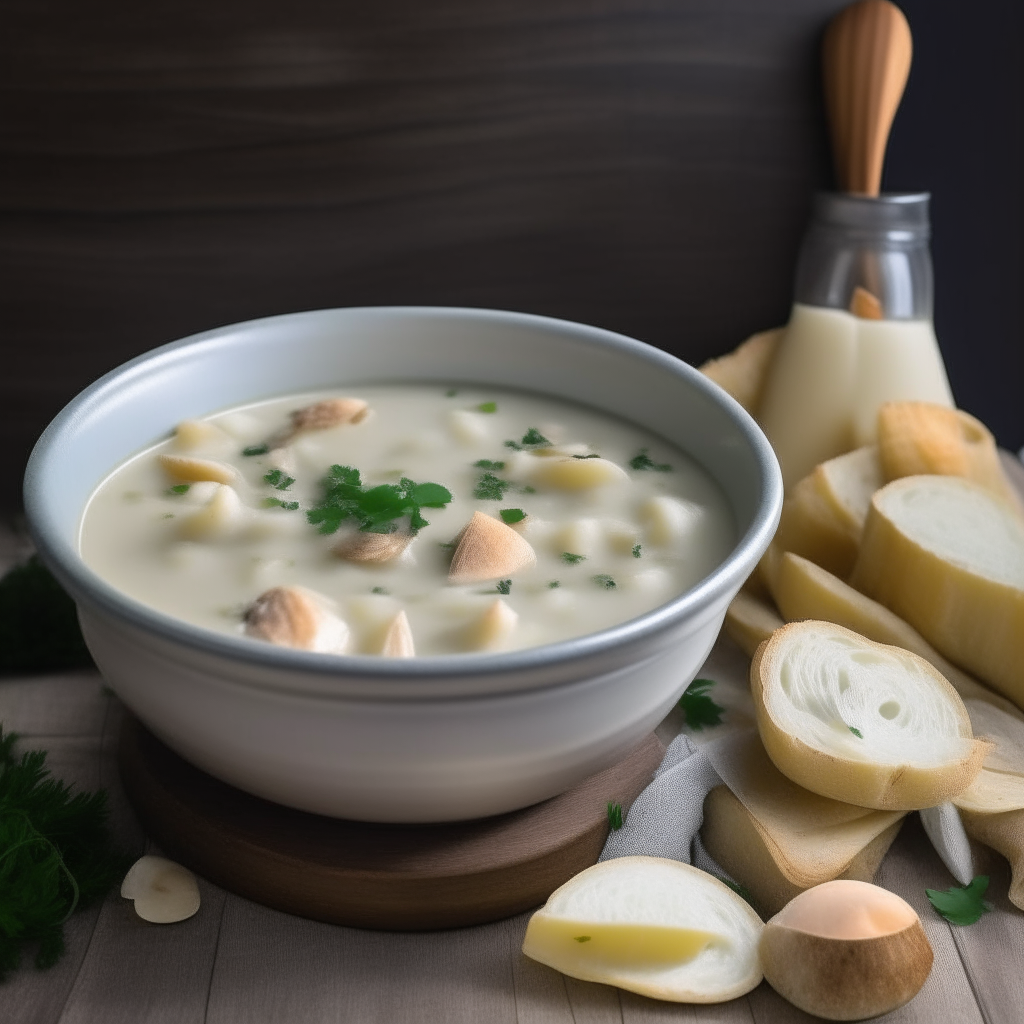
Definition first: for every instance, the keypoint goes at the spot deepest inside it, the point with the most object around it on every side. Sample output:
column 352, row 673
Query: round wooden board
column 402, row 877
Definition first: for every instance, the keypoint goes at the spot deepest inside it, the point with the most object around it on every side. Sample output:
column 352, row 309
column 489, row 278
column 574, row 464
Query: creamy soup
column 407, row 519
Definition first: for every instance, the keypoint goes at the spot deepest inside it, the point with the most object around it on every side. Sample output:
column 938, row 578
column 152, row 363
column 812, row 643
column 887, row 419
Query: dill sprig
column 39, row 629
column 375, row 509
column 56, row 856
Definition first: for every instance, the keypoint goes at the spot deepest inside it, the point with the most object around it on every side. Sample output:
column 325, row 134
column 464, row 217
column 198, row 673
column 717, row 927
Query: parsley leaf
column 451, row 392
column 643, row 461
column 961, row 904
column 179, row 489
column 614, row 816
column 553, row 584
column 697, row 707
column 504, row 586
column 512, row 515
column 586, row 456
column 39, row 629
column 380, row 590
column 375, row 509
column 856, row 732
column 58, row 856
column 256, row 449
column 570, row 559
column 604, row 580
column 487, row 407
column 278, row 478
column 491, row 488
column 290, row 506
column 488, row 464
column 533, row 438
column 637, row 549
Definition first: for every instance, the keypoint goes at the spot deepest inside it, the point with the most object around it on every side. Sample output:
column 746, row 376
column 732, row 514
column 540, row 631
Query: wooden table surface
column 236, row 962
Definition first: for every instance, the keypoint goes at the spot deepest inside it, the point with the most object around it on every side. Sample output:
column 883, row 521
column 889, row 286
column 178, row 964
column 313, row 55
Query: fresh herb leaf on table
column 614, row 816
column 56, row 856
column 39, row 629
column 961, row 904
column 375, row 509
column 697, row 707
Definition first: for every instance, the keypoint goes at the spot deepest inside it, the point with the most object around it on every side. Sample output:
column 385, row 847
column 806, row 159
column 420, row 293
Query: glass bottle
column 860, row 333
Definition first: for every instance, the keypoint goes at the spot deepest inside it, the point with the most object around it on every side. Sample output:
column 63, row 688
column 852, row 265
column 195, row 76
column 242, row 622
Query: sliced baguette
column 861, row 722
column 750, row 621
column 803, row 590
column 948, row 557
column 653, row 926
column 777, row 838
column 823, row 516
column 1005, row 834
column 916, row 438
column 742, row 372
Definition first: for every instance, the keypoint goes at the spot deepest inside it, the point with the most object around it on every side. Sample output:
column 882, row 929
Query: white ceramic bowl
column 429, row 739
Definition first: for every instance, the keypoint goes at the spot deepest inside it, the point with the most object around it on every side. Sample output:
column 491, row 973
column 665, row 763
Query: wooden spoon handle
column 866, row 59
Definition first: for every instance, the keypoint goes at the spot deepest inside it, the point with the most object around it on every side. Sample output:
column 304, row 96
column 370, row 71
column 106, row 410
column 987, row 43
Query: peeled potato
column 948, row 557
column 846, row 950
column 861, row 722
column 658, row 927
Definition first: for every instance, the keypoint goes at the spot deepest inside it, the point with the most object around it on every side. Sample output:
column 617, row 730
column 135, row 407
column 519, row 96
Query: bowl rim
column 65, row 561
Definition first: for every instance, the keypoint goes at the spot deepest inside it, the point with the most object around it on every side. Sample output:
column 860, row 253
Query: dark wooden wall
column 166, row 167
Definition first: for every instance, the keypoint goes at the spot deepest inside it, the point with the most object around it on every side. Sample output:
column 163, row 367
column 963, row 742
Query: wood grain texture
column 370, row 875
column 637, row 164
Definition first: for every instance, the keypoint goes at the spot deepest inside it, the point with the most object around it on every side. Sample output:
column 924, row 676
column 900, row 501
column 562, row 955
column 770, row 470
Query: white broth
column 590, row 521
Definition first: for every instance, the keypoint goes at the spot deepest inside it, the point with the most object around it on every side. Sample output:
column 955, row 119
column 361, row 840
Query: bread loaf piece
column 948, row 557
column 750, row 621
column 742, row 372
column 861, row 722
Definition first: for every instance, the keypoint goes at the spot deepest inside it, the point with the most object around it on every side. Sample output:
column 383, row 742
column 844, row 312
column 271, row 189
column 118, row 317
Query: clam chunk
column 296, row 617
column 219, row 518
column 487, row 549
column 493, row 630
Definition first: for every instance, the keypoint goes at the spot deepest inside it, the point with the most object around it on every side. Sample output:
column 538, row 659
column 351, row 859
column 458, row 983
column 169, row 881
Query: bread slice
column 823, row 516
column 803, row 590
column 653, row 926
column 948, row 557
column 750, row 621
column 916, row 438
column 861, row 722
column 742, row 372
column 1005, row 834
column 778, row 839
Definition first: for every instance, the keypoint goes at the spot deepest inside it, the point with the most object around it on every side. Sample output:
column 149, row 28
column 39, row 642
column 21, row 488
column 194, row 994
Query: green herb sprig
column 56, row 856
column 278, row 479
column 504, row 586
column 604, row 581
column 512, row 515
column 961, row 904
column 572, row 559
column 642, row 461
column 179, row 489
column 856, row 732
column 614, row 816
column 491, row 488
column 289, row 506
column 698, row 708
column 376, row 509
column 256, row 449
column 488, row 464
column 487, row 407
column 533, row 438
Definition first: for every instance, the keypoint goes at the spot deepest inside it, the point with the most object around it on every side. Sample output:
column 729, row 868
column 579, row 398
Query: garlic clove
column 372, row 548
column 164, row 892
column 186, row 469
column 398, row 642
column 487, row 549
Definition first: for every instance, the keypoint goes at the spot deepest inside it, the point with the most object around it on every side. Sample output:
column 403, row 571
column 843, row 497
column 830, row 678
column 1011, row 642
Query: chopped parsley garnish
column 491, row 488
column 582, row 938
column 376, row 509
column 452, row 392
column 487, row 407
column 512, row 515
column 533, row 438
column 447, row 544
column 278, row 478
column 586, row 456
column 637, row 550
column 488, row 464
column 504, row 586
column 961, row 904
column 570, row 559
column 529, row 490
column 57, row 856
column 290, row 506
column 380, row 590
column 614, row 816
column 643, row 461
column 179, row 489
column 856, row 732
column 39, row 629
column 554, row 584
column 256, row 449
column 602, row 579
column 697, row 707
